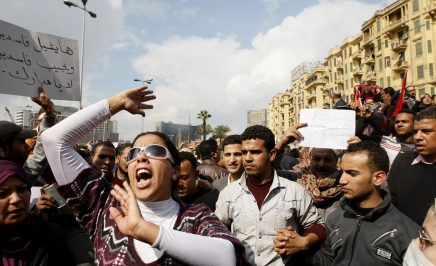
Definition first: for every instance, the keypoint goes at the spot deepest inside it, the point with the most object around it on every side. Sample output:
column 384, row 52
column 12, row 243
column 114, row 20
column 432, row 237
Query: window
column 418, row 48
column 346, row 83
column 334, row 61
column 430, row 70
column 417, row 26
column 432, row 90
column 379, row 44
column 378, row 25
column 351, row 67
column 382, row 82
column 386, row 43
column 346, row 68
column 427, row 24
column 421, row 92
column 429, row 48
column 420, row 70
column 380, row 64
column 387, row 61
column 388, row 79
column 415, row 5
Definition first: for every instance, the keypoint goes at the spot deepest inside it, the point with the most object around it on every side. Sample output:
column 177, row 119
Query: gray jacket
column 381, row 237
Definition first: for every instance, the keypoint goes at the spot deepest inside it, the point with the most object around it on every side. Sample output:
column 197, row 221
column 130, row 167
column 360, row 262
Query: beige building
column 257, row 117
column 396, row 38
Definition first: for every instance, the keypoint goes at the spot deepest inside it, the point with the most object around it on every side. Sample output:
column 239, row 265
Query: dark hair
column 378, row 159
column 428, row 113
column 232, row 139
column 407, row 111
column 260, row 132
column 207, row 147
column 108, row 144
column 389, row 90
column 85, row 153
column 188, row 156
column 168, row 143
column 121, row 147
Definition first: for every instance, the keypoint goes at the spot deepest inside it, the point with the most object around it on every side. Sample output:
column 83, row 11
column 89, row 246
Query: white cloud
column 218, row 75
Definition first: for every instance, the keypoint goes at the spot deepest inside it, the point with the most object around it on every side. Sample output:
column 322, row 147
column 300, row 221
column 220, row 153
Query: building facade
column 257, row 117
column 397, row 38
column 178, row 133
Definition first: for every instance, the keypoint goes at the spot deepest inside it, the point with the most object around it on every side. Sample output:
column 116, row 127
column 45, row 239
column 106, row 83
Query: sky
column 223, row 56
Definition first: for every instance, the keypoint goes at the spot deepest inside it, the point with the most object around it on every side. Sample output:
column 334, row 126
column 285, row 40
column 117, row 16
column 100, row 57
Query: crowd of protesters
column 250, row 200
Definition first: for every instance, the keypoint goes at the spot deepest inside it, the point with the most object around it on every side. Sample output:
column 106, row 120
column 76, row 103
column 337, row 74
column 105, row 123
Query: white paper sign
column 327, row 128
column 30, row 59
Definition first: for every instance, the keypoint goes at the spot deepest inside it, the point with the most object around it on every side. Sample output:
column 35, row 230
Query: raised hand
column 290, row 135
column 131, row 101
column 128, row 217
column 44, row 101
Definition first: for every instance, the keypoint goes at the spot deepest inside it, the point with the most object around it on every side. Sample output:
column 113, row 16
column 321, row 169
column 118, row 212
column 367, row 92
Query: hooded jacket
column 380, row 237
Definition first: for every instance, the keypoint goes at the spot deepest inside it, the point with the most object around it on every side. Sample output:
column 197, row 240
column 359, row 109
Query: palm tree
column 204, row 115
column 220, row 132
column 200, row 131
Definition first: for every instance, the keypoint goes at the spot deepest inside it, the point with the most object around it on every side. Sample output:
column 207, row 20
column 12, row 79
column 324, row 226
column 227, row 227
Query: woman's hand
column 131, row 101
column 129, row 218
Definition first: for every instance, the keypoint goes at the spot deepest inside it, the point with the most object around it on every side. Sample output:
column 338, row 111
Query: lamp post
column 148, row 81
column 93, row 15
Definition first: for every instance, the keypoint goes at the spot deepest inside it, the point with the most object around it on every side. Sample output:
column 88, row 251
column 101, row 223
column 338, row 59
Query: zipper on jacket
column 392, row 233
column 355, row 237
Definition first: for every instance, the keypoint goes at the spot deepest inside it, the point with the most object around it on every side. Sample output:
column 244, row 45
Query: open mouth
column 143, row 178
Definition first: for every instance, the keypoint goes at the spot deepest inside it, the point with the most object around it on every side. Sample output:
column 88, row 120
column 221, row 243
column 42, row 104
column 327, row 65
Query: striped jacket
column 89, row 197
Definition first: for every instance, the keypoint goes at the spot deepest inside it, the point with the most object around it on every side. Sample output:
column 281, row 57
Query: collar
column 208, row 162
column 275, row 184
column 420, row 159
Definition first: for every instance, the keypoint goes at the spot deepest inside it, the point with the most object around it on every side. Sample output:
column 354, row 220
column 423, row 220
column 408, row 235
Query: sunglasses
column 425, row 241
column 154, row 151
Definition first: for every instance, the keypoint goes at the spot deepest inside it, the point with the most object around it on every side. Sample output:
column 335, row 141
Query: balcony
column 400, row 66
column 340, row 79
column 356, row 55
column 311, row 96
column 430, row 10
column 399, row 46
column 371, row 75
column 369, row 60
column 357, row 71
column 396, row 25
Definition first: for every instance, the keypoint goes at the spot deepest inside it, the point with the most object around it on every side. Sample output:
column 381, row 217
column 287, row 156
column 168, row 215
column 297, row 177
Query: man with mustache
column 273, row 217
column 188, row 190
column 412, row 179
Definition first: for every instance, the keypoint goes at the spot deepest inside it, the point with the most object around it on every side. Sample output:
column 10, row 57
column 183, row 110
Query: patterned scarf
column 322, row 190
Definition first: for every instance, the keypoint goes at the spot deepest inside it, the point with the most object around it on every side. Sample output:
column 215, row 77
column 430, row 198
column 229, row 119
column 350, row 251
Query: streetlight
column 148, row 81
column 93, row 15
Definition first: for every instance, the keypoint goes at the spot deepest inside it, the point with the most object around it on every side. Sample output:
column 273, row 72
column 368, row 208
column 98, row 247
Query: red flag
column 357, row 101
column 401, row 97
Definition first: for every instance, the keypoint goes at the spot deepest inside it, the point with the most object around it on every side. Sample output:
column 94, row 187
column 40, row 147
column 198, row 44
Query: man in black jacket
column 367, row 229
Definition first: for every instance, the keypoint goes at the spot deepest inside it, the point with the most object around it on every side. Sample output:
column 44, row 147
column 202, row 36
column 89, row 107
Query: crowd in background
column 247, row 200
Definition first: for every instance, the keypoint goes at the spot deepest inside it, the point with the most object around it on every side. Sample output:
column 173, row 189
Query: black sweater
column 413, row 187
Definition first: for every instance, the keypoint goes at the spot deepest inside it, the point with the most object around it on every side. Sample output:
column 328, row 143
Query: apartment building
column 397, row 38
column 257, row 117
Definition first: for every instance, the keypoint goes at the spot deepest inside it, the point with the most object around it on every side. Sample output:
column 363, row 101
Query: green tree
column 200, row 130
column 220, row 132
column 204, row 115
